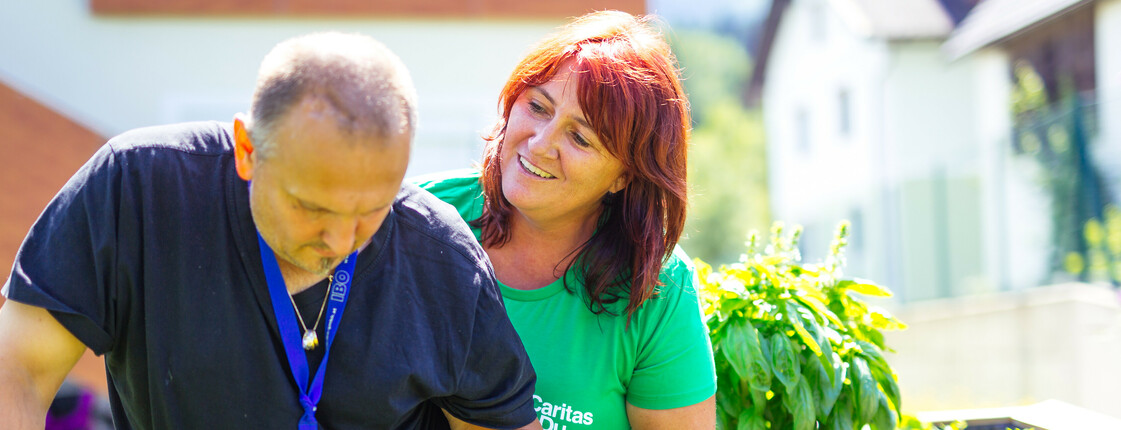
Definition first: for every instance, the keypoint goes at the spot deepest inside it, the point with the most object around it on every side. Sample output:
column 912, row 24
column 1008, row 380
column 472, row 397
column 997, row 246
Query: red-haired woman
column 579, row 204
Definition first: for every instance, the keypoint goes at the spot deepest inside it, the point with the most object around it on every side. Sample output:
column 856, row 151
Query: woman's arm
column 458, row 424
column 697, row 416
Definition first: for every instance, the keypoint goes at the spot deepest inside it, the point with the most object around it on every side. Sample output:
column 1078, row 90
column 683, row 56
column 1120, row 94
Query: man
column 212, row 264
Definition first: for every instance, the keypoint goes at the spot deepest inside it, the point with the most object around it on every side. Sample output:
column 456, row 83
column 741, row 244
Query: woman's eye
column 580, row 140
column 536, row 107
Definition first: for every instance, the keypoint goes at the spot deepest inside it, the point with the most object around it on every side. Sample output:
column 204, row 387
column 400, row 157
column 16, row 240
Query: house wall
column 928, row 127
column 1107, row 18
column 820, row 175
column 1015, row 211
column 907, row 173
column 1011, row 348
column 112, row 74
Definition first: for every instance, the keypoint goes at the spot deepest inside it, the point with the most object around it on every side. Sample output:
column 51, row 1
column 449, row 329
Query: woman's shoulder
column 678, row 288
column 459, row 188
column 678, row 269
column 449, row 182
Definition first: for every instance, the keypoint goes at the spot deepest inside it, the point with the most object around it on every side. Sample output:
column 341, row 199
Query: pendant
column 310, row 340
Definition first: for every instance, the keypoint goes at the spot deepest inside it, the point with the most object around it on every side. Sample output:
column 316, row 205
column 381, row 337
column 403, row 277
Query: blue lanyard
column 290, row 333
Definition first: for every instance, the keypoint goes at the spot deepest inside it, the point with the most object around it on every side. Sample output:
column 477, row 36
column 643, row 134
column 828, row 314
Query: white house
column 867, row 121
column 889, row 113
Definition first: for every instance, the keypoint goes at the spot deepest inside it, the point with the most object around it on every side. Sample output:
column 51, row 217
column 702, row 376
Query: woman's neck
column 539, row 251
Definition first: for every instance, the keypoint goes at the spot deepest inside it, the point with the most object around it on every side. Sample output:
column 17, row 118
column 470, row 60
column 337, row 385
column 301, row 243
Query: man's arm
column 36, row 354
column 458, row 424
column 698, row 416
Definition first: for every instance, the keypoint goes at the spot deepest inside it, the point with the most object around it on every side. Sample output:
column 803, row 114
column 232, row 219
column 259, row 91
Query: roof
column 895, row 19
column 996, row 20
column 890, row 19
column 365, row 8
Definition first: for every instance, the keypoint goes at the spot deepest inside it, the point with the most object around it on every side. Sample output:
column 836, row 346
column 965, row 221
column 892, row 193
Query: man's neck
column 297, row 279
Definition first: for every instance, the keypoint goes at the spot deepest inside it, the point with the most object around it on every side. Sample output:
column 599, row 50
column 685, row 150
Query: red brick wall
column 402, row 8
column 39, row 150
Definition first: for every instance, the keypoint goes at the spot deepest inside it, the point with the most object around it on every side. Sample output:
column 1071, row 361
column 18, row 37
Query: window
column 817, row 21
column 844, row 112
column 802, row 130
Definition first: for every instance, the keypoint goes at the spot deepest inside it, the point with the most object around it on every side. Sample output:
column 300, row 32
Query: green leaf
column 910, row 422
column 876, row 338
column 882, row 320
column 820, row 309
column 722, row 420
column 841, row 419
column 864, row 287
column 825, row 359
column 741, row 348
column 800, row 404
column 886, row 418
column 727, row 397
column 796, row 319
column 829, row 387
column 784, row 361
column 727, row 306
column 749, row 420
column 881, row 371
column 867, row 392
column 759, row 401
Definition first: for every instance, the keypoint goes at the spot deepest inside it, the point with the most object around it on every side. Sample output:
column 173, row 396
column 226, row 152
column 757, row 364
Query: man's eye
column 311, row 209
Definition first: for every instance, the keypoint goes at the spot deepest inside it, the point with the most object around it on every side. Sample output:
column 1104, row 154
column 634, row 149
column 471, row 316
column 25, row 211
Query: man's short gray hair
column 362, row 80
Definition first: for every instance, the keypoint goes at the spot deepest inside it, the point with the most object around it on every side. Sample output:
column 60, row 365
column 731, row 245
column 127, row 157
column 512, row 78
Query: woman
column 579, row 205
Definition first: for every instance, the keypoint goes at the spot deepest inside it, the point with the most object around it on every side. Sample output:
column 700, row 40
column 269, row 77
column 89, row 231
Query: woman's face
column 553, row 164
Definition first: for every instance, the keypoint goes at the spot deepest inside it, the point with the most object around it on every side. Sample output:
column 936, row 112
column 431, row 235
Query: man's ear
column 243, row 149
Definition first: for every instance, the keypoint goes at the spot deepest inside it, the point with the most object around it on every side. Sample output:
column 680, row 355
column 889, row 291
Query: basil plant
column 795, row 345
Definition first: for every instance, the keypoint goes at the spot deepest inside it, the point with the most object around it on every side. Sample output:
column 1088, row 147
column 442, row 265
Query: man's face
column 321, row 193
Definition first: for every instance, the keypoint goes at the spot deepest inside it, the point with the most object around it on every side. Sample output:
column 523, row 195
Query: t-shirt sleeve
column 496, row 384
column 674, row 362
column 67, row 261
column 459, row 188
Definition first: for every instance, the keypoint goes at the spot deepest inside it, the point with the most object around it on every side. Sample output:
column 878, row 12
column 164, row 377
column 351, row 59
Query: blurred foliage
column 1055, row 134
column 715, row 68
column 1102, row 260
column 795, row 347
column 727, row 157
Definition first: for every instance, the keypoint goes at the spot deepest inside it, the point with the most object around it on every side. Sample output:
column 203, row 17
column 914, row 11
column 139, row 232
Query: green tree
column 727, row 157
column 728, row 177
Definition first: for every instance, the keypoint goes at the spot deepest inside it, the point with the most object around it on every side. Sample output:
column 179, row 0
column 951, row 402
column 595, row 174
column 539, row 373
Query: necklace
column 311, row 340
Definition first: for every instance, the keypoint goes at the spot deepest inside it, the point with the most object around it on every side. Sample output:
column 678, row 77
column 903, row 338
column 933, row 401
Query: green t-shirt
column 588, row 366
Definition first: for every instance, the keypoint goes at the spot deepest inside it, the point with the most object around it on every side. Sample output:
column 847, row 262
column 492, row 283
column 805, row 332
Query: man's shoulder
column 201, row 138
column 425, row 215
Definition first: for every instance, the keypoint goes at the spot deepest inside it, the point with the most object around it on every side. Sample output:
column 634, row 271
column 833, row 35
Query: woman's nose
column 542, row 142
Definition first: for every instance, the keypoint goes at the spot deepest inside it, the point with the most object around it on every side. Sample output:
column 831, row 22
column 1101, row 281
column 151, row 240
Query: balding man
column 271, row 273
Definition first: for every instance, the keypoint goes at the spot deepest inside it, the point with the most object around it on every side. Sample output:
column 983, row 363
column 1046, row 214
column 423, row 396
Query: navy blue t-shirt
column 149, row 255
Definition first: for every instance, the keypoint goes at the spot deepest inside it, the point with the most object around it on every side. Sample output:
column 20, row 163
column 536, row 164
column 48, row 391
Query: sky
column 704, row 13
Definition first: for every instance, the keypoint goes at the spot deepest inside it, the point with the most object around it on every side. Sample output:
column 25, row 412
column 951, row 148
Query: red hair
column 631, row 95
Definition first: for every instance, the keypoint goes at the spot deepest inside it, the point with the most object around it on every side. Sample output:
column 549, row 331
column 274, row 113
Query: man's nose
column 339, row 235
